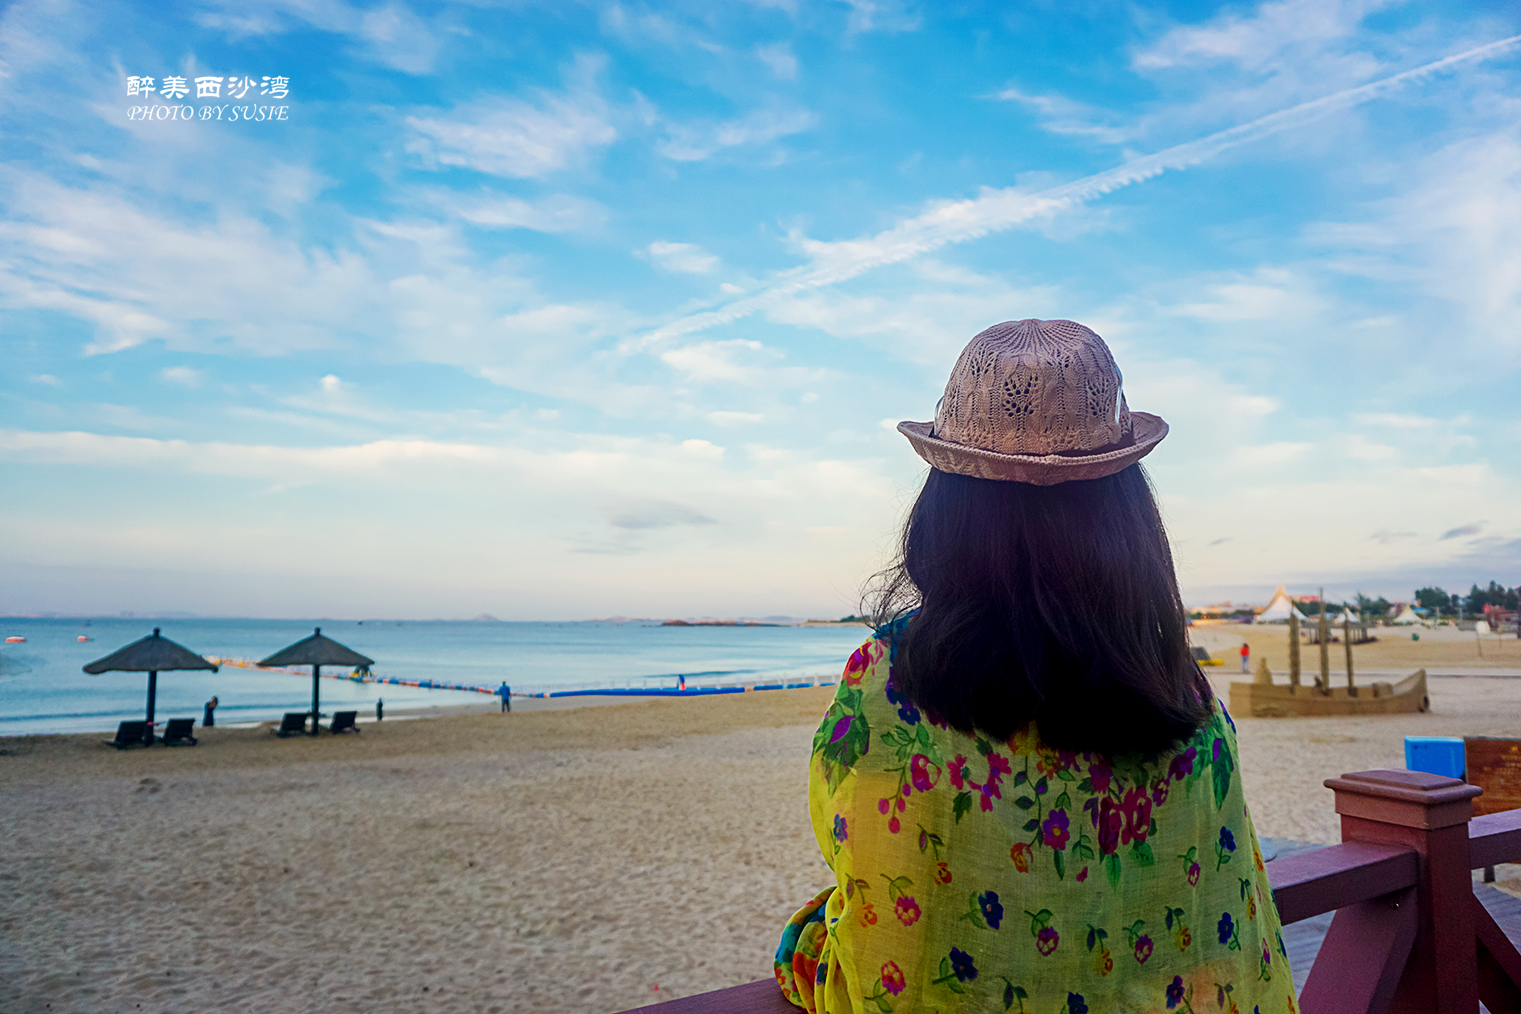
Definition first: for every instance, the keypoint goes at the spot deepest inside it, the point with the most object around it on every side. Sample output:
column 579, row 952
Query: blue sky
column 568, row 310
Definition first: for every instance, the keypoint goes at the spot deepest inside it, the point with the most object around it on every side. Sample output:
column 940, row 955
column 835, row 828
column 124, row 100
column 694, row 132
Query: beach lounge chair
column 293, row 724
column 343, row 721
column 178, row 731
column 129, row 734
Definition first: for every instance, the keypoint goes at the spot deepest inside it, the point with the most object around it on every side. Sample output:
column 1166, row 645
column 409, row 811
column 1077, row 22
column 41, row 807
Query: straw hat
column 1035, row 401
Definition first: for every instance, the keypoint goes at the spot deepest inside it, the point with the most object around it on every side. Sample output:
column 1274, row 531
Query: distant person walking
column 211, row 717
column 506, row 693
column 1246, row 655
column 380, row 708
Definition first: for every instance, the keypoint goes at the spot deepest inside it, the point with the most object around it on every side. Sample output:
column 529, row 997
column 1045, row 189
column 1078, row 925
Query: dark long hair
column 1053, row 603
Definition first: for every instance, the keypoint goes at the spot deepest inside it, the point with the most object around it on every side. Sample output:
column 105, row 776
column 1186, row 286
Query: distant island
column 719, row 623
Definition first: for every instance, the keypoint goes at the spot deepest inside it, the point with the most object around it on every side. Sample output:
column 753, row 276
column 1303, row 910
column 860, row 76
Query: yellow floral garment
column 975, row 875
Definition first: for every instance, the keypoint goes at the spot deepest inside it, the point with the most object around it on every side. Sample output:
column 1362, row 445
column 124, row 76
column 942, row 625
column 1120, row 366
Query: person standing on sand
column 1246, row 655
column 1025, row 789
column 506, row 693
column 210, row 718
column 380, row 708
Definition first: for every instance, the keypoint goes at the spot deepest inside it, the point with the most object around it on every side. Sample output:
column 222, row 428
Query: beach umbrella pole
column 316, row 672
column 152, row 696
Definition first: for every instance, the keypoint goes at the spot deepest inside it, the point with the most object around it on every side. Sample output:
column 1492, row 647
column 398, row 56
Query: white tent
column 1407, row 617
column 1278, row 609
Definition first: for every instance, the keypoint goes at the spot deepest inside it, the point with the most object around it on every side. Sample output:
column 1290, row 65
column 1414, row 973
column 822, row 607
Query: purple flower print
column 1076, row 1004
column 840, row 729
column 840, row 831
column 1227, row 840
column 1182, row 764
column 1159, row 792
column 1046, row 940
column 1225, row 928
column 1193, row 874
column 1175, row 992
column 1056, row 830
column 1219, row 745
column 1099, row 774
column 1142, row 948
column 962, row 966
column 992, row 911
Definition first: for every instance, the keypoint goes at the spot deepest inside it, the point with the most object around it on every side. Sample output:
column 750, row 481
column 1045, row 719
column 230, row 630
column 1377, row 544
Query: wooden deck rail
column 1400, row 883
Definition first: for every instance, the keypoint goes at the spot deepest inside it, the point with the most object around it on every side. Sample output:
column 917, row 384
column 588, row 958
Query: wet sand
column 550, row 860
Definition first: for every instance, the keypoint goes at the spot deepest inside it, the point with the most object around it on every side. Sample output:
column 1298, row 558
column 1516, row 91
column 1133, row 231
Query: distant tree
column 1435, row 599
column 1372, row 609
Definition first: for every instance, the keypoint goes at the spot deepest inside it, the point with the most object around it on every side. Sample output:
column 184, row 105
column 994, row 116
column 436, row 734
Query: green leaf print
column 1061, row 863
column 1220, row 771
column 1112, row 869
column 1024, row 802
column 962, row 805
column 1141, row 853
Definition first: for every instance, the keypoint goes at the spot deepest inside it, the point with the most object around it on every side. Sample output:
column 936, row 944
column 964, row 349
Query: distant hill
column 484, row 618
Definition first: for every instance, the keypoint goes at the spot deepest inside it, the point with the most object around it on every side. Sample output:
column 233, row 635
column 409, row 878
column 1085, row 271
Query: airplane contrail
column 995, row 211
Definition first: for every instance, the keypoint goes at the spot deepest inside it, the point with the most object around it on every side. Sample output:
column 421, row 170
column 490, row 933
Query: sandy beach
column 573, row 859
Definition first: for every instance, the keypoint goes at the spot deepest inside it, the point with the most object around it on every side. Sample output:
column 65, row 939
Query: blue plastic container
column 1437, row 755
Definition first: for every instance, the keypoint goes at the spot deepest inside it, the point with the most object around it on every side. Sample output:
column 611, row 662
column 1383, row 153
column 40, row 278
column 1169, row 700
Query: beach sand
column 553, row 860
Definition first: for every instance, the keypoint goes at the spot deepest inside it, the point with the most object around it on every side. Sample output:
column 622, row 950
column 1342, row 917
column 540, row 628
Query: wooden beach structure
column 317, row 651
column 1410, row 933
column 1262, row 698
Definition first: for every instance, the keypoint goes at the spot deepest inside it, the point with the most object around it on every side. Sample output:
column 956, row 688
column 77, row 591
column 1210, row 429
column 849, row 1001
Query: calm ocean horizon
column 43, row 688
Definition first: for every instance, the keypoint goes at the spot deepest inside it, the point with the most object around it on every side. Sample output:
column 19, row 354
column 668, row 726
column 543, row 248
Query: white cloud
column 389, row 34
column 184, row 375
column 1060, row 115
column 516, row 138
column 688, row 258
column 45, row 378
column 557, row 213
column 881, row 16
column 779, row 59
column 699, row 140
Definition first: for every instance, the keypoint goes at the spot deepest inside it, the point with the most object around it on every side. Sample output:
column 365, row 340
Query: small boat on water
column 82, row 639
column 15, row 640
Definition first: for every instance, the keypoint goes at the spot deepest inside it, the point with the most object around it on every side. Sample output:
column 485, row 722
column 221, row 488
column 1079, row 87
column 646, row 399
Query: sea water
column 43, row 687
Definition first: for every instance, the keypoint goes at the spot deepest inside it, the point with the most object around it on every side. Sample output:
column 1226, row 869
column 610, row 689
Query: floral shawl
column 977, row 875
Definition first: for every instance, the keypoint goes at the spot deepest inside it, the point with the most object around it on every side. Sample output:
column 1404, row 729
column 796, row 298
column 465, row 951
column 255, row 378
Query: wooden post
column 1323, row 629
column 1293, row 650
column 152, row 698
column 1430, row 814
column 316, row 672
column 1346, row 640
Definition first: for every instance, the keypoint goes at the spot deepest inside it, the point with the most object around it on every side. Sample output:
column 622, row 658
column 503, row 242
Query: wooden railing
column 1408, row 935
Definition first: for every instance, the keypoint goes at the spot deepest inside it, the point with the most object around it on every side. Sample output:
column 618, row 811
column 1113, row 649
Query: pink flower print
column 1143, row 948
column 892, row 978
column 894, row 825
column 998, row 766
column 958, row 769
column 1082, row 875
column 1193, row 874
column 1099, row 774
column 908, row 910
column 883, row 804
column 1110, row 823
column 1066, row 758
column 901, row 805
column 922, row 773
column 985, row 796
column 1136, row 807
column 1055, row 829
column 856, row 668
column 1047, row 940
column 1159, row 792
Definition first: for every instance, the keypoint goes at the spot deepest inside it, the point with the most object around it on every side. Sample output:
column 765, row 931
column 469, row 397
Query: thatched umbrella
column 317, row 651
column 152, row 655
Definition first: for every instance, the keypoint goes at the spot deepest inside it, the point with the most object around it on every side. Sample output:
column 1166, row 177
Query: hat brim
column 1037, row 469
